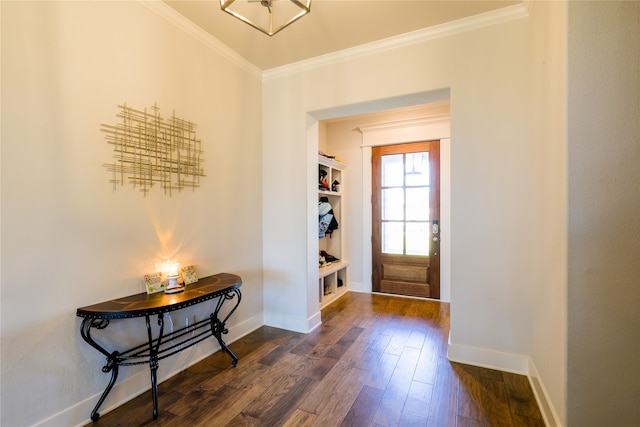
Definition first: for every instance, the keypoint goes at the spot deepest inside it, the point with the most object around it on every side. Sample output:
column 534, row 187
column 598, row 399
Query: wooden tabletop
column 146, row 304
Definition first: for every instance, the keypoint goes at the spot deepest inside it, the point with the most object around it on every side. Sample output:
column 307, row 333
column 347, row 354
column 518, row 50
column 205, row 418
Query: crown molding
column 175, row 18
column 443, row 30
column 403, row 123
column 405, row 130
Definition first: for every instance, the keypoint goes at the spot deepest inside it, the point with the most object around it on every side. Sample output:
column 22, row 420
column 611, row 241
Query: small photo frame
column 154, row 282
column 189, row 275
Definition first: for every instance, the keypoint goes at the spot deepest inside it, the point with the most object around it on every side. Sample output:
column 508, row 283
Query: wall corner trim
column 175, row 18
column 549, row 414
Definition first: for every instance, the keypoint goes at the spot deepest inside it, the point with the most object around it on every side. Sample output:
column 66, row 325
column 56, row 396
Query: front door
column 406, row 219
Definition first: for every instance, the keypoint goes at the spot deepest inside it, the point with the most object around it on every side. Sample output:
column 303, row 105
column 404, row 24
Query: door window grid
column 405, row 206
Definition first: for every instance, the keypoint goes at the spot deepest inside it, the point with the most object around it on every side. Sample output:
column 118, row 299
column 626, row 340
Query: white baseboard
column 295, row 324
column 131, row 385
column 314, row 321
column 485, row 358
column 548, row 411
column 359, row 287
column 507, row 362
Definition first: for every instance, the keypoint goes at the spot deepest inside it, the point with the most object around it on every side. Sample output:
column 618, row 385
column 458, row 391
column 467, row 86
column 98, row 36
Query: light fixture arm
column 267, row 4
column 281, row 13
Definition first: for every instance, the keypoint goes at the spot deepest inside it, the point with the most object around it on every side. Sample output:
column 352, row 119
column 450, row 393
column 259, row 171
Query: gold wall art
column 150, row 150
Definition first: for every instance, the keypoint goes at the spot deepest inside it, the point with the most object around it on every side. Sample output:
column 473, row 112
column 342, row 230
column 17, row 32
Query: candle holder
column 173, row 287
column 172, row 273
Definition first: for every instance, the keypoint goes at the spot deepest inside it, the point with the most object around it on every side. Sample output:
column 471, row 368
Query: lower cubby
column 332, row 282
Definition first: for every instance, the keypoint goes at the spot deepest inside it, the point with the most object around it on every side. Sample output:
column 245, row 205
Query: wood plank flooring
column 376, row 361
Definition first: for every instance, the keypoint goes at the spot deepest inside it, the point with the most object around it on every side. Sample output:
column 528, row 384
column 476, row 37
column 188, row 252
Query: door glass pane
column 417, row 168
column 417, row 238
column 392, row 238
column 392, row 170
column 393, row 204
column 418, row 204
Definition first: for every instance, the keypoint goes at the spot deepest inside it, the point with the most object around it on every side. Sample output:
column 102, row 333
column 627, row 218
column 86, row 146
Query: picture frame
column 155, row 282
column 188, row 275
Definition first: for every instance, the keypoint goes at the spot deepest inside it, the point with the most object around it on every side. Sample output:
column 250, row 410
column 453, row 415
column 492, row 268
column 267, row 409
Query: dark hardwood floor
column 375, row 361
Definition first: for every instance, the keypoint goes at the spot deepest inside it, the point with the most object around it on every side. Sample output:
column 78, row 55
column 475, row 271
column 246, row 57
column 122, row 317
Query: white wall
column 603, row 353
column 68, row 239
column 549, row 207
column 487, row 71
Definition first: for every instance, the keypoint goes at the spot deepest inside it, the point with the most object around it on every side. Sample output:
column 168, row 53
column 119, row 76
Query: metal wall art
column 150, row 150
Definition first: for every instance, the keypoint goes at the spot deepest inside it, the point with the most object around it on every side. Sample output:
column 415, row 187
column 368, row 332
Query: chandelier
column 268, row 16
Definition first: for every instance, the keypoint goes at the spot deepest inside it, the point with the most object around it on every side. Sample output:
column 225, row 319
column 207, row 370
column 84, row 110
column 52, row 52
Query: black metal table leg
column 112, row 365
column 113, row 360
column 153, row 366
column 218, row 327
column 153, row 360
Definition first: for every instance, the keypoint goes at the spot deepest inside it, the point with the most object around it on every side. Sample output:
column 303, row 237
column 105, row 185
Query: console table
column 224, row 286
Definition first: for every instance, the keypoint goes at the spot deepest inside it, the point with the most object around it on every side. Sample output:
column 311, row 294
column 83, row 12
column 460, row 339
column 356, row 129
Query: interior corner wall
column 549, row 205
column 603, row 214
column 68, row 239
column 487, row 71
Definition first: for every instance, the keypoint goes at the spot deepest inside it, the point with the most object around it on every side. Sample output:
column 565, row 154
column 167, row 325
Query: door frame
column 398, row 132
column 412, row 266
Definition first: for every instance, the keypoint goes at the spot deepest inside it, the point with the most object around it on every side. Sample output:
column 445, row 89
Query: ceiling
column 332, row 25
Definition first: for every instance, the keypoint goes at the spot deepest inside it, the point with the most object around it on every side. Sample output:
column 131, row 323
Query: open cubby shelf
column 333, row 277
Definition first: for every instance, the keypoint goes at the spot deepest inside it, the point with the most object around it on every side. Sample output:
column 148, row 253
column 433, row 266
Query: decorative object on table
column 172, row 273
column 267, row 16
column 154, row 282
column 189, row 275
column 149, row 150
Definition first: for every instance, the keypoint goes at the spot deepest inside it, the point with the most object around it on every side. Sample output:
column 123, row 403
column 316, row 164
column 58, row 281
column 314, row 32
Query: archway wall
column 486, row 71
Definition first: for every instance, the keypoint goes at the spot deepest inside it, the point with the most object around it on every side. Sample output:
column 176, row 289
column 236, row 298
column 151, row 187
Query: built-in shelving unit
column 332, row 276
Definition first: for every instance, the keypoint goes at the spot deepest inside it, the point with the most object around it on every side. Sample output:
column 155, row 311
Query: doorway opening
column 351, row 134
